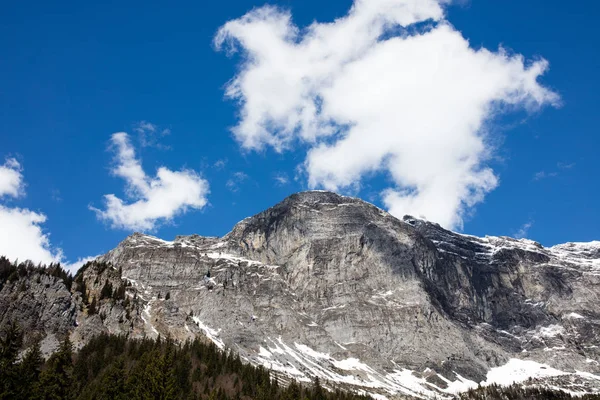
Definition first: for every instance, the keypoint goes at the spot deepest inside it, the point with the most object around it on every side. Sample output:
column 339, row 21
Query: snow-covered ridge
column 581, row 247
column 194, row 241
column 588, row 253
column 584, row 254
column 578, row 255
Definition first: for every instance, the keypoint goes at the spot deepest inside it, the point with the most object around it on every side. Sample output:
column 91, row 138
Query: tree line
column 119, row 368
column 13, row 271
column 521, row 392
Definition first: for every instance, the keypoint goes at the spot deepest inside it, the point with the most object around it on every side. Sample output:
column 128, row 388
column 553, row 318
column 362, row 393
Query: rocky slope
column 330, row 286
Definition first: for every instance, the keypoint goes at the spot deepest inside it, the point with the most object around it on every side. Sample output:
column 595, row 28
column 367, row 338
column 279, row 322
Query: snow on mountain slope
column 331, row 286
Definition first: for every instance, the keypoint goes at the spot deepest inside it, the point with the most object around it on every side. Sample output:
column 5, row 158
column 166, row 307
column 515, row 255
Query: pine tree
column 30, row 370
column 112, row 384
column 93, row 308
column 169, row 381
column 119, row 294
column 107, row 291
column 318, row 392
column 292, row 392
column 56, row 381
column 10, row 344
column 83, row 289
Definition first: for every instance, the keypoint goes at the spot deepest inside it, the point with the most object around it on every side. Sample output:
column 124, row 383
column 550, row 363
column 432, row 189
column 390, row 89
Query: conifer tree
column 112, row 384
column 107, row 291
column 318, row 392
column 93, row 309
column 169, row 381
column 10, row 343
column 30, row 370
column 56, row 381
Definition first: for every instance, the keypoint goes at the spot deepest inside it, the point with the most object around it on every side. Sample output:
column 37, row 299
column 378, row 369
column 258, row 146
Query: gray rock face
column 331, row 286
column 42, row 306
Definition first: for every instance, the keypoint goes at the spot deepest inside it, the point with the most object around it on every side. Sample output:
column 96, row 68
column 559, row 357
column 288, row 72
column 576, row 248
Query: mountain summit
column 327, row 286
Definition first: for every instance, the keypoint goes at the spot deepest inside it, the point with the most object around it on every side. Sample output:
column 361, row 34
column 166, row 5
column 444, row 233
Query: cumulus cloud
column 153, row 200
column 391, row 88
column 11, row 179
column 21, row 234
column 23, row 238
column 76, row 266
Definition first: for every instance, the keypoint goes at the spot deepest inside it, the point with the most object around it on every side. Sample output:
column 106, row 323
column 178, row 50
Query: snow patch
column 574, row 316
column 587, row 375
column 462, row 384
column 340, row 346
column 334, row 307
column 517, row 371
column 311, row 353
column 551, row 331
column 212, row 334
column 147, row 311
column 264, row 353
column 352, row 364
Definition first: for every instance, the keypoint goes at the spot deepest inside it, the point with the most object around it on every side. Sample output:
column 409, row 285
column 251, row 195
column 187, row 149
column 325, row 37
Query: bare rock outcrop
column 330, row 286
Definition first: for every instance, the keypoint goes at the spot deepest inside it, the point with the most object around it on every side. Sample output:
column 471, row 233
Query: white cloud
column 524, row 230
column 21, row 233
column 369, row 96
column 75, row 266
column 22, row 236
column 11, row 179
column 155, row 200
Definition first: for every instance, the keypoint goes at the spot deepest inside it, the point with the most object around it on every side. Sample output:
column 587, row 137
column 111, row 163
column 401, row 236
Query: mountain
column 327, row 286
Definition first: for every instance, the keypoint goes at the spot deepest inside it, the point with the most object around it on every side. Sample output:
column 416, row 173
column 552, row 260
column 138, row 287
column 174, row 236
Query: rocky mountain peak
column 320, row 197
column 139, row 239
column 322, row 285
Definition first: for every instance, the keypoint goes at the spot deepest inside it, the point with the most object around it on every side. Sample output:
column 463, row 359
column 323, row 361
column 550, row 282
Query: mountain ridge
column 322, row 285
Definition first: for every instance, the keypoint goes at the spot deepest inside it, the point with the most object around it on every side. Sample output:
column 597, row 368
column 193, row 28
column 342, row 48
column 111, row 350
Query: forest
column 520, row 392
column 115, row 367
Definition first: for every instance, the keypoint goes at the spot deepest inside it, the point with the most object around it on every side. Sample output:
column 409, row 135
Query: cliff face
column 42, row 305
column 330, row 286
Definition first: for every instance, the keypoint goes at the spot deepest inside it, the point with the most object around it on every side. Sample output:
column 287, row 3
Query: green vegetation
column 114, row 367
column 13, row 271
column 518, row 392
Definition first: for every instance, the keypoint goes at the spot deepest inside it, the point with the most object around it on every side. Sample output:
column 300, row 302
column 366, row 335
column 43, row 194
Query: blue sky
column 74, row 73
